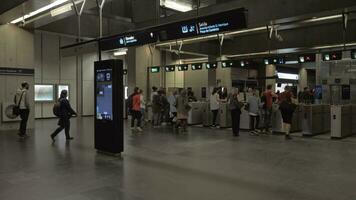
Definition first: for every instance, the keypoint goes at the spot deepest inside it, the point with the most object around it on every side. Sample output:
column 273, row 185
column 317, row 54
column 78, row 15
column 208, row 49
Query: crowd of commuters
column 174, row 108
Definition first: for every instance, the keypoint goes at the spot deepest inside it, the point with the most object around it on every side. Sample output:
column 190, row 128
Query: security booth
column 109, row 114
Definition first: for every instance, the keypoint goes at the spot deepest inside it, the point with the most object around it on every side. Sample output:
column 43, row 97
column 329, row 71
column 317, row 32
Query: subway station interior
column 177, row 99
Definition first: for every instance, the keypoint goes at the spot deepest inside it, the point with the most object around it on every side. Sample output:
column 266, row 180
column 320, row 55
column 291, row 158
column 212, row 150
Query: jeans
column 63, row 124
column 235, row 121
column 136, row 115
column 156, row 119
column 215, row 115
column 254, row 122
column 267, row 118
column 24, row 113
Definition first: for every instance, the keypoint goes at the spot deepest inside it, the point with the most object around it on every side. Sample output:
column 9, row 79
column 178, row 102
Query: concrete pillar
column 303, row 78
column 270, row 72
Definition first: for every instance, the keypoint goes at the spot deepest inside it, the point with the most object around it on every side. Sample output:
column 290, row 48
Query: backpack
column 57, row 109
column 130, row 103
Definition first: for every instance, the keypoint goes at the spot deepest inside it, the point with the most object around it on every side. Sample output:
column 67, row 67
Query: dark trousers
column 254, row 122
column 235, row 121
column 215, row 115
column 136, row 115
column 267, row 118
column 63, row 124
column 24, row 113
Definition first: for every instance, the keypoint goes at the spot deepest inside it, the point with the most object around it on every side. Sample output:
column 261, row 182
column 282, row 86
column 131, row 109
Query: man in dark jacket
column 66, row 112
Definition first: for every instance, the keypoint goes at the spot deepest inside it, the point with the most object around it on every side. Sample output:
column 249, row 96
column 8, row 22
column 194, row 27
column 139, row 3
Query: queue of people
column 174, row 108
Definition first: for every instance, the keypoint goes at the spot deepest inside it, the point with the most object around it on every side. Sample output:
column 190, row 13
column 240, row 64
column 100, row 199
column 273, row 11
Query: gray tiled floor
column 205, row 164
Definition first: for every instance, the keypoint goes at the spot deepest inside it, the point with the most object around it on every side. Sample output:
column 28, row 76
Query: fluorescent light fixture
column 41, row 10
column 176, row 5
column 318, row 19
column 288, row 76
column 121, row 52
column 61, row 10
column 291, row 62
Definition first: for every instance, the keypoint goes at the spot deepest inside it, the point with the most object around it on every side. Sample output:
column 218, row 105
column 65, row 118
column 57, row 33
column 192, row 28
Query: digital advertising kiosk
column 109, row 97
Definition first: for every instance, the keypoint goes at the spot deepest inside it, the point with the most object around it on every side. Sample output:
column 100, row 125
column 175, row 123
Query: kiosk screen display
column 44, row 93
column 104, row 94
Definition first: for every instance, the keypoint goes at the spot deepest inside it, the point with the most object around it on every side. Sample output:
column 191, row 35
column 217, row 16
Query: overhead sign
column 212, row 24
column 128, row 40
column 16, row 71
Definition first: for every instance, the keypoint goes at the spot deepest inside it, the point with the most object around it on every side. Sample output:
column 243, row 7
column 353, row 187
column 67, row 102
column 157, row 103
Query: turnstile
column 315, row 119
column 341, row 121
column 207, row 116
column 225, row 116
column 195, row 115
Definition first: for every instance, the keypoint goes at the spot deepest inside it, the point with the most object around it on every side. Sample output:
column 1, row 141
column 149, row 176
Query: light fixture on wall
column 121, row 52
column 176, row 5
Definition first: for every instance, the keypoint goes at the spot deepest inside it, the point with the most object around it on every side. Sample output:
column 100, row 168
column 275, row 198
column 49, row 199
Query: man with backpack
column 64, row 111
column 22, row 107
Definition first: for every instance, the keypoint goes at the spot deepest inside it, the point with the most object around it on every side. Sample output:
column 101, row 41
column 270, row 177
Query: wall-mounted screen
column 104, row 94
column 44, row 93
column 60, row 88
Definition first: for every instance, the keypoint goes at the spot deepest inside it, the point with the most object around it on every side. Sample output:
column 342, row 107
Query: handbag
column 16, row 108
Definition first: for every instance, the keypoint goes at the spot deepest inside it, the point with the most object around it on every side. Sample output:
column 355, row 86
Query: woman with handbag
column 235, row 109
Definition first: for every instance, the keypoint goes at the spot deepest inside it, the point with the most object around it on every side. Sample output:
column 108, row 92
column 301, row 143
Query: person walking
column 143, row 108
column 136, row 110
column 183, row 109
column 22, row 100
column 65, row 113
column 156, row 109
column 235, row 109
column 214, row 105
column 267, row 99
column 287, row 109
column 254, row 103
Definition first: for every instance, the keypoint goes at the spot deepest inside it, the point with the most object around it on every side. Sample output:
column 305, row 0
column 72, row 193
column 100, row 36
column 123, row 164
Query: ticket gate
column 341, row 121
column 315, row 119
column 225, row 116
column 207, row 116
column 195, row 115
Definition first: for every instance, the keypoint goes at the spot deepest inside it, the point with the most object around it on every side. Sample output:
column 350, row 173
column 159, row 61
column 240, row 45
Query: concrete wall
column 16, row 51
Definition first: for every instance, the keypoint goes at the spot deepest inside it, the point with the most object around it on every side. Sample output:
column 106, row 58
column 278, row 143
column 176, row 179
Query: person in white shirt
column 22, row 100
column 214, row 105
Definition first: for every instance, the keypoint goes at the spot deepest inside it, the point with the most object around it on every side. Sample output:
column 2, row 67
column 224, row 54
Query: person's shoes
column 53, row 140
column 139, row 129
column 236, row 135
column 287, row 137
column 70, row 138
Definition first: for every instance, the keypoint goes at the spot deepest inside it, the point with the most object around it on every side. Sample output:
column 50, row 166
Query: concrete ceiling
column 9, row 4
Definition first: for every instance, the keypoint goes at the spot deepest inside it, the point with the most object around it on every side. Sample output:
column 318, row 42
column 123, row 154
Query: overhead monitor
column 155, row 69
column 182, row 67
column 211, row 65
column 330, row 56
column 44, row 93
column 305, row 58
column 170, row 68
column 197, row 66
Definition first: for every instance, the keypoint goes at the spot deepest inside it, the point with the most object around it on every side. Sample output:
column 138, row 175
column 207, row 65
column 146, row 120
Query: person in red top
column 267, row 99
column 136, row 110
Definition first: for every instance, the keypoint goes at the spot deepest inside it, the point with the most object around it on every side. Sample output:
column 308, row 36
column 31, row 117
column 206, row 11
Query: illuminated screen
column 288, row 76
column 104, row 94
column 44, row 93
column 60, row 88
